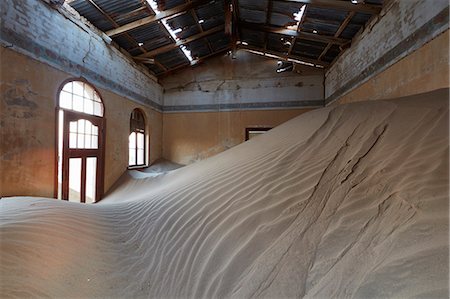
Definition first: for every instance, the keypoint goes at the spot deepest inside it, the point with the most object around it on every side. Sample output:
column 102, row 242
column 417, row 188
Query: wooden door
column 82, row 159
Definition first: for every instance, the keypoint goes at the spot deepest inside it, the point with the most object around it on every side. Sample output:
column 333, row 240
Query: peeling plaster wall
column 67, row 42
column 192, row 136
column 28, row 99
column 247, row 82
column 403, row 27
column 425, row 69
column 207, row 108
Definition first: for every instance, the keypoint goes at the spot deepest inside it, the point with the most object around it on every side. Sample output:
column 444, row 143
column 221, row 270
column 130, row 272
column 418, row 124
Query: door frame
column 68, row 153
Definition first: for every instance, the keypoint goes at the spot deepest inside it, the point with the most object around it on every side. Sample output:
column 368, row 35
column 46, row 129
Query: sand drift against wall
column 349, row 201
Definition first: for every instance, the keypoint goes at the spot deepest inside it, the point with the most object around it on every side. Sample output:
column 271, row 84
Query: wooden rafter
column 268, row 15
column 114, row 23
column 284, row 56
column 338, row 32
column 200, row 27
column 341, row 5
column 180, row 9
column 294, row 40
column 294, row 33
column 181, row 42
column 197, row 61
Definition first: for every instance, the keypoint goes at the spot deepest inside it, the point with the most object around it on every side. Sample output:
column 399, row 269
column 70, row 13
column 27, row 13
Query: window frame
column 136, row 131
column 260, row 129
column 102, row 137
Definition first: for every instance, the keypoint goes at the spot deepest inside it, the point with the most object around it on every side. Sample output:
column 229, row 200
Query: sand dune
column 347, row 201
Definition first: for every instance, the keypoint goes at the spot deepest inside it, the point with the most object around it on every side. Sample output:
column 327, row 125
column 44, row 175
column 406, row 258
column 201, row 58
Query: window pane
column 81, row 123
column 73, row 140
column 68, row 87
column 65, row 100
column 74, row 179
column 73, row 126
column 88, row 92
column 132, row 157
column 88, row 106
column 132, row 140
column 94, row 130
column 98, row 109
column 78, row 103
column 140, row 140
column 80, row 143
column 78, row 88
column 140, row 156
column 91, row 169
column 87, row 141
column 88, row 127
column 94, row 140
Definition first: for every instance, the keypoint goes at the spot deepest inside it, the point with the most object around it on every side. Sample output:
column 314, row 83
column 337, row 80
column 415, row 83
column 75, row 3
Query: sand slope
column 349, row 201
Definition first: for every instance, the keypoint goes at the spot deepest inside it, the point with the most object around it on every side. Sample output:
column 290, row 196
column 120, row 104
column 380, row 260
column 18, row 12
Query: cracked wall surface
column 401, row 29
column 69, row 43
column 247, row 82
column 28, row 99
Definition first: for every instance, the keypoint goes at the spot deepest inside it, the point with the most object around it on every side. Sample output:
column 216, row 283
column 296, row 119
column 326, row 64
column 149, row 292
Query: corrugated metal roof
column 268, row 19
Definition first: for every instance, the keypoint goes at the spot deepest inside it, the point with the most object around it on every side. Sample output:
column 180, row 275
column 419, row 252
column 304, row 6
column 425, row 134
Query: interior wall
column 424, row 70
column 28, row 99
column 402, row 51
column 208, row 107
column 193, row 136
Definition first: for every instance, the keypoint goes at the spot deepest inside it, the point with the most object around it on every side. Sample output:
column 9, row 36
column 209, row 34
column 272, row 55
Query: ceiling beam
column 283, row 56
column 294, row 33
column 181, row 42
column 196, row 61
column 338, row 32
column 342, row 5
column 180, row 9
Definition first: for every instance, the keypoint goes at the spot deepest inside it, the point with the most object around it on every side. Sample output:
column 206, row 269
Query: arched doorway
column 81, row 142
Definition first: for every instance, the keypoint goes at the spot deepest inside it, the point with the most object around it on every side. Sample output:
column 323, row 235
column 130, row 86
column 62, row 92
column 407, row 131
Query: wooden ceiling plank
column 294, row 33
column 284, row 56
column 338, row 32
column 341, row 5
column 181, row 42
column 180, row 9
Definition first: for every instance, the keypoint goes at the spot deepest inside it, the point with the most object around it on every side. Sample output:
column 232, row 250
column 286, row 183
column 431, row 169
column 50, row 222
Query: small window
column 253, row 132
column 137, row 144
column 80, row 97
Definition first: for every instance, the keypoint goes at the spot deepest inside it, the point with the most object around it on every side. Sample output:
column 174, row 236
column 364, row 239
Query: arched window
column 137, row 146
column 80, row 143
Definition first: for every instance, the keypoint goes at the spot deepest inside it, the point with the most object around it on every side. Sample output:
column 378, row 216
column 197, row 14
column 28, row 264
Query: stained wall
column 208, row 107
column 28, row 101
column 401, row 52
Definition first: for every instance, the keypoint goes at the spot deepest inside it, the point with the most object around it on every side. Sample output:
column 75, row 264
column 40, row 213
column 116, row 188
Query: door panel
column 82, row 167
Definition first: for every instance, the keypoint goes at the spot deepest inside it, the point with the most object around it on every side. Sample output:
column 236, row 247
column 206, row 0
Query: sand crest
column 346, row 201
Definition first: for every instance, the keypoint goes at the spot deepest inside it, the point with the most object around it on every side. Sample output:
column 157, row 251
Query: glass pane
column 73, row 140
column 94, row 130
column 87, row 141
column 65, row 100
column 140, row 156
column 81, row 123
column 98, row 109
column 88, row 127
column 140, row 140
column 68, row 87
column 132, row 140
column 80, row 143
column 78, row 88
column 132, row 157
column 78, row 103
column 74, row 179
column 73, row 127
column 88, row 92
column 91, row 170
column 88, row 106
column 94, row 141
